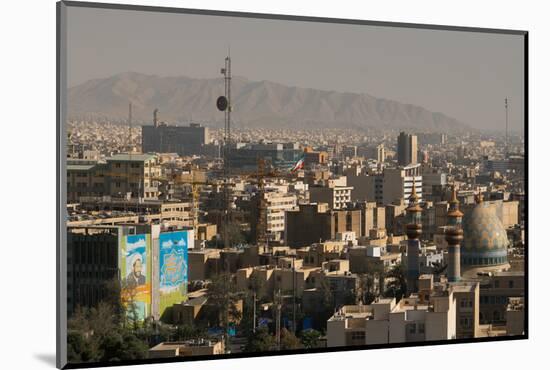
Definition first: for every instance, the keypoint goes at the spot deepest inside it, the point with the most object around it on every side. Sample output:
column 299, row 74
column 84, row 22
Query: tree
column 99, row 334
column 310, row 338
column 185, row 332
column 131, row 315
column 113, row 297
column 256, row 286
column 365, row 291
column 397, row 286
column 78, row 348
column 289, row 340
column 260, row 341
column 122, row 345
column 439, row 267
column 222, row 298
column 154, row 332
column 326, row 304
column 234, row 233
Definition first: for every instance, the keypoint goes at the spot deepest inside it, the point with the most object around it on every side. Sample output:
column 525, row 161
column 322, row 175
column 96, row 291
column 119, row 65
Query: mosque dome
column 485, row 240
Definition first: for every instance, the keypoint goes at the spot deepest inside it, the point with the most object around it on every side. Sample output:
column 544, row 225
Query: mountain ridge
column 255, row 104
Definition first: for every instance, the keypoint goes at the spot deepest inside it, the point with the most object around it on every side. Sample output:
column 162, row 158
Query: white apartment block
column 277, row 205
column 392, row 186
column 335, row 193
column 385, row 321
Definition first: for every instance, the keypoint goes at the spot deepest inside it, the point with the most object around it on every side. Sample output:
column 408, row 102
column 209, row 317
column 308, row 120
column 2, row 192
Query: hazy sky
column 464, row 75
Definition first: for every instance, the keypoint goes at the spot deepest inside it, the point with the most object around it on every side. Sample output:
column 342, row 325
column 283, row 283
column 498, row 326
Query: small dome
column 485, row 239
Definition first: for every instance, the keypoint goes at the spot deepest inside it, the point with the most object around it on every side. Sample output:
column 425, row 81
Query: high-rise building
column 184, row 140
column 391, row 186
column 380, row 153
column 122, row 175
column 414, row 232
column 336, row 193
column 407, row 149
column 276, row 204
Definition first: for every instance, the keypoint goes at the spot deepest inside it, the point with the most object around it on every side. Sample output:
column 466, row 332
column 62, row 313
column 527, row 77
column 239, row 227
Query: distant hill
column 255, row 104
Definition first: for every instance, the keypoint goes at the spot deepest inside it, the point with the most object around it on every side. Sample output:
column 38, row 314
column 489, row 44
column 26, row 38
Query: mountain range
column 255, row 104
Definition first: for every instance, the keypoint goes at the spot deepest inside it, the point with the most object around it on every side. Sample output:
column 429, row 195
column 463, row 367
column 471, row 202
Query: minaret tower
column 414, row 231
column 454, row 236
column 479, row 197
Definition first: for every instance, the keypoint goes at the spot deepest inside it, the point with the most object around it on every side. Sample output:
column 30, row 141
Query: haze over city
column 464, row 75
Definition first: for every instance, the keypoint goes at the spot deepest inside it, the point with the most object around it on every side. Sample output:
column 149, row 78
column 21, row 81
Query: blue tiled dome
column 485, row 240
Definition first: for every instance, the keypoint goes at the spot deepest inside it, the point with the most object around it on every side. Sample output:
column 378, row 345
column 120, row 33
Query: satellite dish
column 221, row 103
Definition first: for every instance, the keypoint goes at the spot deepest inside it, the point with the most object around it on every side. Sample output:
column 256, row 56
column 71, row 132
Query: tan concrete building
column 407, row 149
column 515, row 316
column 364, row 258
column 386, row 321
column 112, row 211
column 203, row 263
column 439, row 311
column 206, row 231
column 335, row 192
column 272, row 278
column 198, row 308
column 187, row 348
column 495, row 292
column 276, row 205
column 132, row 175
column 314, row 223
column 467, row 307
column 318, row 253
column 392, row 186
column 312, row 158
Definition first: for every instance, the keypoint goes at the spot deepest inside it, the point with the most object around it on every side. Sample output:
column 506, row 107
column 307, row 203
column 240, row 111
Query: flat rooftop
column 80, row 167
column 509, row 273
column 137, row 157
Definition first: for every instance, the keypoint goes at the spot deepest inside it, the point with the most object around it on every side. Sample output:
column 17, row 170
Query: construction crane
column 196, row 185
column 262, row 238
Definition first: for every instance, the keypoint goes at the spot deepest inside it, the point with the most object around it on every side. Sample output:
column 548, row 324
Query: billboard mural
column 173, row 247
column 136, row 274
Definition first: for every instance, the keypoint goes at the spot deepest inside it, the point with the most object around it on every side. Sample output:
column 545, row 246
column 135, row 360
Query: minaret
column 454, row 236
column 479, row 197
column 414, row 231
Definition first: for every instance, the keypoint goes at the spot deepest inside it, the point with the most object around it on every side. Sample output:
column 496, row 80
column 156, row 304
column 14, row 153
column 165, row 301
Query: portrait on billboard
column 136, row 282
column 136, row 261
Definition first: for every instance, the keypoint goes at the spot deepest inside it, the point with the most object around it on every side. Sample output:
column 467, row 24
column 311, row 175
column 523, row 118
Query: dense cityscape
column 187, row 239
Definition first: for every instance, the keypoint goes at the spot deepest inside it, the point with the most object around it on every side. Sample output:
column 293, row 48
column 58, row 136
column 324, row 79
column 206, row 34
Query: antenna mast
column 506, row 139
column 226, row 71
column 129, row 127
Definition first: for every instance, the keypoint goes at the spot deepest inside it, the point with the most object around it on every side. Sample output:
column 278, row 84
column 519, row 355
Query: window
column 497, row 284
column 511, row 284
column 421, row 328
column 358, row 335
